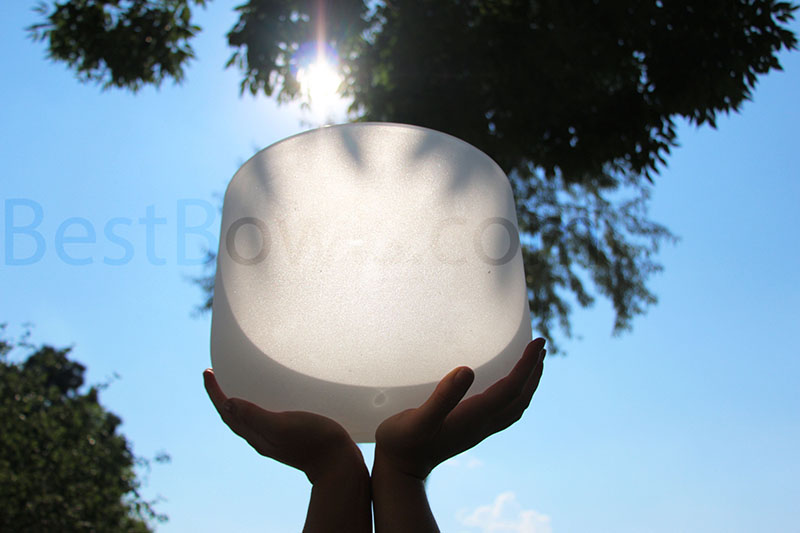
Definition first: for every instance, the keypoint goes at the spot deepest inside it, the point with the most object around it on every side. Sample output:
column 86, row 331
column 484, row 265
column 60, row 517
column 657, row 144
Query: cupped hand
column 414, row 441
column 309, row 442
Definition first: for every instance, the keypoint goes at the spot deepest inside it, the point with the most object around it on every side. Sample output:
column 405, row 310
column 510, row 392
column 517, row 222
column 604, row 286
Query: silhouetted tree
column 577, row 100
column 63, row 465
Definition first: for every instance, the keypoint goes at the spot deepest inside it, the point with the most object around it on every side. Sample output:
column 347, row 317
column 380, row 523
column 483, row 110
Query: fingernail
column 541, row 356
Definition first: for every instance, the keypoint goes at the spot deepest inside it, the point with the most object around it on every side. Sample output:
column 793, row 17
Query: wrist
column 340, row 497
column 388, row 479
column 390, row 465
column 399, row 499
column 347, row 465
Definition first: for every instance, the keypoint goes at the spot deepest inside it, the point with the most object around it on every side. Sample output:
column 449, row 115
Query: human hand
column 309, row 442
column 414, row 441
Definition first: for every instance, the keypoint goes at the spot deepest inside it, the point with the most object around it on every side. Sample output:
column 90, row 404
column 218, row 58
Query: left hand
column 309, row 442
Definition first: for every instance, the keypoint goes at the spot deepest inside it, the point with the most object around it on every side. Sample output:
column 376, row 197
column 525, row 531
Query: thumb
column 445, row 397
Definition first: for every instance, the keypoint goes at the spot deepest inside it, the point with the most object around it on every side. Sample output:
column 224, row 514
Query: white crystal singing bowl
column 359, row 264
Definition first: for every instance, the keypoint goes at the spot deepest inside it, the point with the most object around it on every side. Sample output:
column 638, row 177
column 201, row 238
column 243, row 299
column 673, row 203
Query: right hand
column 415, row 441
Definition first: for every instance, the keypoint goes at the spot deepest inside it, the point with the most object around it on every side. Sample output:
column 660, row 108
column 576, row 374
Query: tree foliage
column 577, row 100
column 63, row 464
column 120, row 43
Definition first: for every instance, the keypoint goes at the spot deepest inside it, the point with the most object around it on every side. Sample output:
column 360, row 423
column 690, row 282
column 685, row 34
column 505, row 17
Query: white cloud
column 505, row 515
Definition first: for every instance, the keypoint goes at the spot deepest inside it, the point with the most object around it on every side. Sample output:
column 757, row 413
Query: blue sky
column 689, row 423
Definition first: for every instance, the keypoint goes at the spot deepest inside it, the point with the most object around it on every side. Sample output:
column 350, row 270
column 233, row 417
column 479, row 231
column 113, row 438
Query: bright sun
column 320, row 81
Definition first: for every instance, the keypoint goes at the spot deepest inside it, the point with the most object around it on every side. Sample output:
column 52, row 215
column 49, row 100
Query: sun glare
column 319, row 81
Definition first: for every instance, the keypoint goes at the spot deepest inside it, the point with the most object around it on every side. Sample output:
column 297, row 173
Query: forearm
column 399, row 501
column 340, row 501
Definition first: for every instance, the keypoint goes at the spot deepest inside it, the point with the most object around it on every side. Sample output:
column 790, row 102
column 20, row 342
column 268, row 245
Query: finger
column 244, row 418
column 500, row 395
column 515, row 410
column 229, row 408
column 213, row 389
column 533, row 383
column 509, row 388
column 450, row 390
column 254, row 424
column 251, row 416
column 527, row 363
column 221, row 402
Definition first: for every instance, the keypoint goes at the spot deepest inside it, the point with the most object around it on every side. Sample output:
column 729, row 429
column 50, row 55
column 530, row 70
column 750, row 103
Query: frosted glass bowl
column 358, row 264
